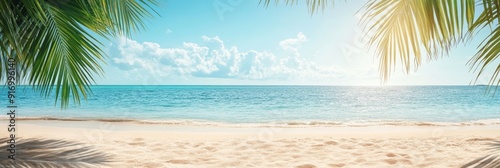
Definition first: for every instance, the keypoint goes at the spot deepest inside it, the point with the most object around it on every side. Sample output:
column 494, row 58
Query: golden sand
column 124, row 144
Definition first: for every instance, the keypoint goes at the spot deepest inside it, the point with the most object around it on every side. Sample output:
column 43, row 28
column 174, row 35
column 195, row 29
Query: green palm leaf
column 54, row 44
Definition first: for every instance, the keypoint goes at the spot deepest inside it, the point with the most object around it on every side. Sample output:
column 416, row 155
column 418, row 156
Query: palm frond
column 312, row 5
column 68, row 59
column 408, row 30
column 12, row 14
column 119, row 17
column 53, row 45
column 489, row 49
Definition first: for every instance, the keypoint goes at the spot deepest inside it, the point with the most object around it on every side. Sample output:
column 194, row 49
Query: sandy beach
column 49, row 143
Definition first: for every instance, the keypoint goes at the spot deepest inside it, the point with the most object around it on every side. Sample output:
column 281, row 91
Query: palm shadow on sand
column 52, row 153
column 488, row 161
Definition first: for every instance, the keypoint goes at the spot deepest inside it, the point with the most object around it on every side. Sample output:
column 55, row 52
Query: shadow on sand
column 489, row 161
column 52, row 153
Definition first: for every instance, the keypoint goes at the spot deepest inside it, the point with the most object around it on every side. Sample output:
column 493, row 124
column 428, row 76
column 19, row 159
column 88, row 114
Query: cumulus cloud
column 214, row 59
column 293, row 43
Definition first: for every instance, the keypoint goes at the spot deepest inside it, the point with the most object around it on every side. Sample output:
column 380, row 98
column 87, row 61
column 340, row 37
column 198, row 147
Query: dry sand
column 125, row 144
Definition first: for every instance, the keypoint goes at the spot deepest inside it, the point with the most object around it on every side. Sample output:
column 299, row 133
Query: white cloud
column 293, row 43
column 168, row 31
column 218, row 61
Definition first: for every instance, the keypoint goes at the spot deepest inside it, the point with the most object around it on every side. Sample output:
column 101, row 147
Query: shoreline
column 118, row 144
column 284, row 124
column 204, row 132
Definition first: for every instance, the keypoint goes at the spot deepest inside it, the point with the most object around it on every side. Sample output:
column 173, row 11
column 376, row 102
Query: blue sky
column 241, row 42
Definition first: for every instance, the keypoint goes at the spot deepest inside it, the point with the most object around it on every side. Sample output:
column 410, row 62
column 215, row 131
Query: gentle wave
column 260, row 105
column 364, row 123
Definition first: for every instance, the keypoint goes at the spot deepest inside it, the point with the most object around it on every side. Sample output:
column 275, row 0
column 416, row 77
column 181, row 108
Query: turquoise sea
column 272, row 104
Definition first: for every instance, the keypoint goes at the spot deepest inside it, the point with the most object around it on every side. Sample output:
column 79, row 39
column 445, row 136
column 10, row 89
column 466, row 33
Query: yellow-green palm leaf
column 489, row 49
column 407, row 31
column 312, row 5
